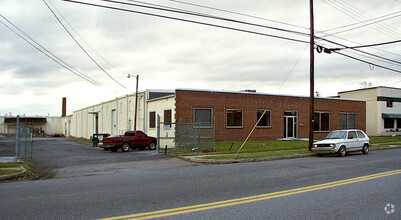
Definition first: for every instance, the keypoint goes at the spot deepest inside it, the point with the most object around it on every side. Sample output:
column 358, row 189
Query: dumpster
column 97, row 139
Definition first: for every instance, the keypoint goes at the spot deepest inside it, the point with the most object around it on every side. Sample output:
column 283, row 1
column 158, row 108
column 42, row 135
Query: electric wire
column 73, row 29
column 356, row 16
column 208, row 24
column 65, row 28
column 361, row 51
column 46, row 52
column 370, row 63
column 206, row 16
column 362, row 13
column 364, row 25
column 189, row 21
column 237, row 13
column 365, row 21
column 296, row 63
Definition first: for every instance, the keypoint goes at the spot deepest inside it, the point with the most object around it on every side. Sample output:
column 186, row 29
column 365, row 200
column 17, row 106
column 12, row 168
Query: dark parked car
column 131, row 139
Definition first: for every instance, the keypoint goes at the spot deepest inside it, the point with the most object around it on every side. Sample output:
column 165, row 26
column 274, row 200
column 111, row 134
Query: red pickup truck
column 131, row 139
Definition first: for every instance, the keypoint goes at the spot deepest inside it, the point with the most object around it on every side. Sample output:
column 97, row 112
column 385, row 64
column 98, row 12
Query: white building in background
column 383, row 109
column 117, row 116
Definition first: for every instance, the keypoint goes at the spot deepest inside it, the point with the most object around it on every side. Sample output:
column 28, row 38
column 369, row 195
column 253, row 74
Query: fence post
column 17, row 139
column 158, row 134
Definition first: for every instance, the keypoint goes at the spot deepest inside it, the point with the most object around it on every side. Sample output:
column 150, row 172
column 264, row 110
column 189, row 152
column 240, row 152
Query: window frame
column 347, row 120
column 150, row 119
column 320, row 121
column 167, row 125
column 210, row 123
column 242, row 118
column 268, row 112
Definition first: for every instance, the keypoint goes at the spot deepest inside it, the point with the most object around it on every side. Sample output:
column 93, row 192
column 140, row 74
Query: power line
column 365, row 21
column 370, row 63
column 206, row 16
column 237, row 13
column 46, row 52
column 189, row 21
column 353, row 13
column 364, row 25
column 65, row 28
column 361, row 51
column 104, row 59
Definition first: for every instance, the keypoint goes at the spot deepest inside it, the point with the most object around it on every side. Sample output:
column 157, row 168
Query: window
column 321, row 121
column 389, row 102
column 265, row 120
column 360, row 134
column 389, row 123
column 234, row 118
column 203, row 116
column 347, row 120
column 152, row 119
column 352, row 135
column 167, row 119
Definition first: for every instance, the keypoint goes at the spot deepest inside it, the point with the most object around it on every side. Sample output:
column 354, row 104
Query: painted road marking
column 249, row 199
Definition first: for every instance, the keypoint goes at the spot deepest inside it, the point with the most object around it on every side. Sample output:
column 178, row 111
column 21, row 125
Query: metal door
column 113, row 122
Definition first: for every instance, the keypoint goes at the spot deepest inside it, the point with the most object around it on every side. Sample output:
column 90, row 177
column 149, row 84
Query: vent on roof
column 248, row 90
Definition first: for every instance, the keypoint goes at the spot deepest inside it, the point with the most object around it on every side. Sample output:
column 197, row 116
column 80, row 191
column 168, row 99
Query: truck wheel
column 113, row 149
column 125, row 147
column 152, row 146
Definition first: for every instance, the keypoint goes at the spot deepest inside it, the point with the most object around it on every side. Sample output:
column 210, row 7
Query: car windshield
column 337, row 135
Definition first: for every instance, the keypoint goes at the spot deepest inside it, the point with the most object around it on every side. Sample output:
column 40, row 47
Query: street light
column 136, row 97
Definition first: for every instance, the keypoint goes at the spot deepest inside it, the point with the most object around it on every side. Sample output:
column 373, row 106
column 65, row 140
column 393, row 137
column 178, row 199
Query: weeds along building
column 231, row 115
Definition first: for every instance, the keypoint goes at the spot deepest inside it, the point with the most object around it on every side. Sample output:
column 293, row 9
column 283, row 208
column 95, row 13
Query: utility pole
column 136, row 99
column 312, row 76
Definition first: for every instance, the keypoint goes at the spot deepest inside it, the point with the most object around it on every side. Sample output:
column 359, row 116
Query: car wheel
column 365, row 149
column 114, row 149
column 125, row 147
column 342, row 151
column 152, row 146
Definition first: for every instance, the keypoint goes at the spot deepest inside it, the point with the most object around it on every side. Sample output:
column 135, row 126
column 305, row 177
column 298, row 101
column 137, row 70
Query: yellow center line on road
column 232, row 202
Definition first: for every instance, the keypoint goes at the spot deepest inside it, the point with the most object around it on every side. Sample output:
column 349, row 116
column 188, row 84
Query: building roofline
column 266, row 94
column 376, row 87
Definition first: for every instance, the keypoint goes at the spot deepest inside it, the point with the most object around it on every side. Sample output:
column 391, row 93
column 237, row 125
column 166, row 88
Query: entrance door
column 290, row 126
column 113, row 122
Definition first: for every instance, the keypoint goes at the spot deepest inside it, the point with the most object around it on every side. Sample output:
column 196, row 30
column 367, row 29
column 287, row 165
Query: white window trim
column 270, row 118
column 242, row 118
column 211, row 122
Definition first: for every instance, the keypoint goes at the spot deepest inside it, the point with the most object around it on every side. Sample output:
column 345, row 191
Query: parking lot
column 63, row 157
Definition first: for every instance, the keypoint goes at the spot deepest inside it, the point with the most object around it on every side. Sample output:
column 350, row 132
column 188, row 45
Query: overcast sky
column 169, row 54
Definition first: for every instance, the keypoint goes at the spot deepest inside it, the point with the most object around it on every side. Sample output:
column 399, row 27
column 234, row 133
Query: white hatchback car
column 343, row 141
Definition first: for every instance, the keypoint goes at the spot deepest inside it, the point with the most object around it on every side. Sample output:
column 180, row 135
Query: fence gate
column 16, row 140
column 186, row 137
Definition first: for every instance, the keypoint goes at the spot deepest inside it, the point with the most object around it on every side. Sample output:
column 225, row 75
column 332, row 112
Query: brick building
column 236, row 113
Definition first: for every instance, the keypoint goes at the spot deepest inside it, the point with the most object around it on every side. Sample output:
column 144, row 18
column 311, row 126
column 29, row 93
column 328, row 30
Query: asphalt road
column 159, row 183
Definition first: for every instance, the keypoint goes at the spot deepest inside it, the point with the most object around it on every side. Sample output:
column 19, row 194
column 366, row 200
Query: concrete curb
column 200, row 159
column 9, row 176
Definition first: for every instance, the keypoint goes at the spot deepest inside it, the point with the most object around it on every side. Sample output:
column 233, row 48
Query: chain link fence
column 16, row 140
column 186, row 137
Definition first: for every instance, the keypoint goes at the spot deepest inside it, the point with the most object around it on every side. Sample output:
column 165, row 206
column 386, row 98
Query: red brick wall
column 188, row 100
